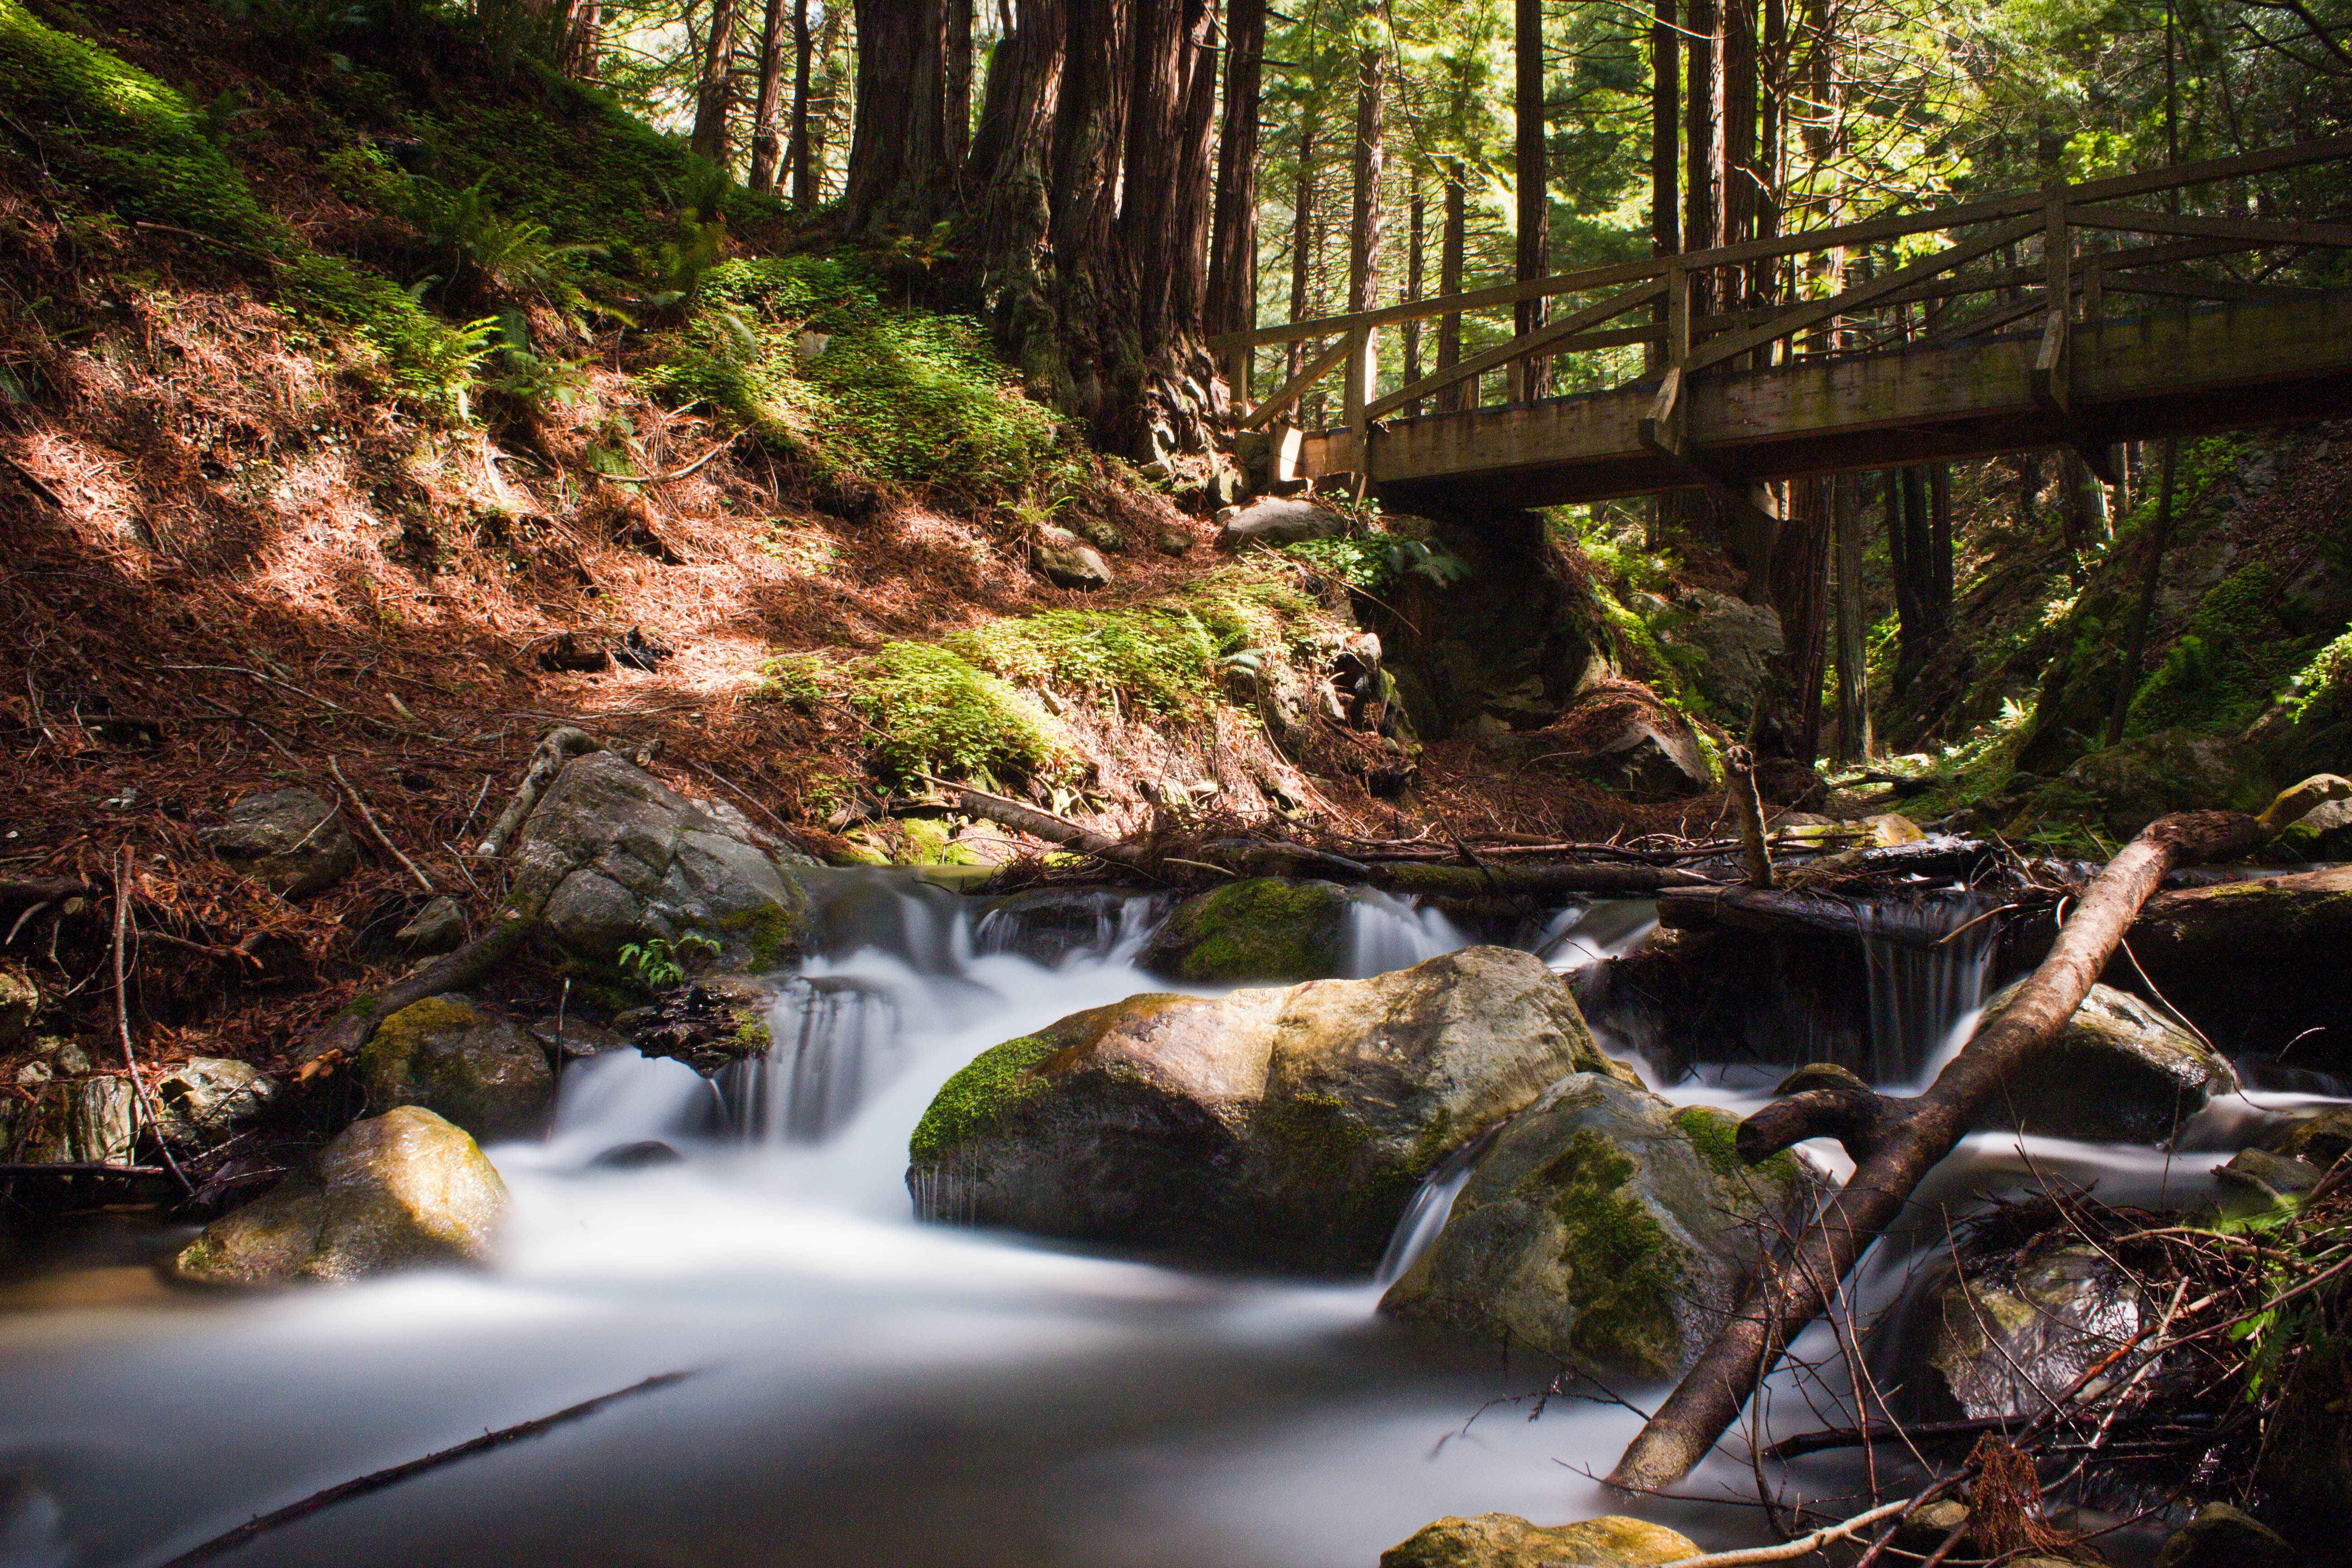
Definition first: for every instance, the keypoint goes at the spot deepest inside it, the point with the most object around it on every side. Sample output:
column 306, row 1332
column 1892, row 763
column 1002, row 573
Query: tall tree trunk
column 1416, row 217
column 1011, row 172
column 1233, row 245
column 1764, row 276
column 1449, row 282
column 803, row 149
column 897, row 146
column 1740, row 181
column 1853, row 677
column 712, row 92
column 1910, row 543
column 1371, row 164
column 1302, row 228
column 2144, row 610
column 958, row 82
column 1666, row 163
column 1703, row 150
column 771, row 88
column 1534, row 249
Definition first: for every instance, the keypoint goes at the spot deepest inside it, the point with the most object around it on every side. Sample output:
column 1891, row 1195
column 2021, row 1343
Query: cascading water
column 1929, row 958
column 871, row 1390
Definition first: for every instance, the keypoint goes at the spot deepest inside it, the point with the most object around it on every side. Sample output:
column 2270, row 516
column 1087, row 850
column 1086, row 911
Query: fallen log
column 1895, row 1142
column 1465, row 881
column 557, row 747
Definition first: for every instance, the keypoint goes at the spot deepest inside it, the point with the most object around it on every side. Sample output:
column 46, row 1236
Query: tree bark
column 1665, row 162
column 1416, row 217
column 1302, row 229
column 1371, row 164
column 1854, row 678
column 1939, row 550
column 1460, row 394
column 713, row 91
column 2144, row 611
column 957, row 111
column 1703, row 152
column 1896, row 1142
column 1533, row 253
column 802, row 155
column 1741, row 182
column 771, row 84
column 1232, row 245
column 897, row 145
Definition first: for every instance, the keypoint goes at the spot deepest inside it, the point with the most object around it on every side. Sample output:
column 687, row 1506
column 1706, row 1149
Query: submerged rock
column 611, row 855
column 1507, row 1540
column 482, row 1071
column 403, row 1190
column 1263, row 929
column 289, row 840
column 1288, row 1127
column 1604, row 1228
column 2122, row 1072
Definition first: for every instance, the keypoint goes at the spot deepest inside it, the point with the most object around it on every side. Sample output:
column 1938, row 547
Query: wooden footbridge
column 2067, row 317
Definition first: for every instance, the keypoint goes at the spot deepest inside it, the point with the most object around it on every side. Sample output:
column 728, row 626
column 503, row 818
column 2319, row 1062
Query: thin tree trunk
column 1371, row 164
column 1302, row 229
column 1449, row 283
column 712, row 92
column 1534, row 247
column 2143, row 612
column 1666, row 163
column 958, row 82
column 1416, row 217
column 803, row 152
column 1740, row 181
column 1853, row 677
column 1939, row 550
column 1702, row 165
column 772, row 87
column 1896, row 1142
column 1912, row 545
column 824, row 108
column 1232, row 246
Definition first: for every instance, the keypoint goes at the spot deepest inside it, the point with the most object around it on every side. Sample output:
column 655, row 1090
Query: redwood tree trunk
column 1416, row 220
column 804, row 147
column 1461, row 394
column 1232, row 248
column 1302, row 228
column 763, row 113
column 958, row 111
column 1703, row 150
column 711, row 93
column 1665, row 164
column 897, row 145
column 1533, row 255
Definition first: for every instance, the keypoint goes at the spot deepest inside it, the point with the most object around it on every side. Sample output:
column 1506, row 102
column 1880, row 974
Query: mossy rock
column 2122, row 1071
column 2123, row 788
column 1263, row 929
column 405, row 1190
column 1604, row 1228
column 1282, row 1127
column 479, row 1070
column 1507, row 1540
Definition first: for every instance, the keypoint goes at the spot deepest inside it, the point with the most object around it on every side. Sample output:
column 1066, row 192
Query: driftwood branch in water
column 1899, row 1140
column 1260, row 858
column 229, row 1540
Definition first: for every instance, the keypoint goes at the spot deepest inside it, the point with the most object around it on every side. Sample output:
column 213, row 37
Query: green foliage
column 938, row 714
column 792, row 679
column 2323, row 688
column 1377, row 562
column 2221, row 674
column 1625, row 1266
column 1160, row 657
column 657, row 966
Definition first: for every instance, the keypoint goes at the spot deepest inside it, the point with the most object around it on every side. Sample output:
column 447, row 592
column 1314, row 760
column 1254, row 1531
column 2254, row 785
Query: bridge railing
column 1743, row 306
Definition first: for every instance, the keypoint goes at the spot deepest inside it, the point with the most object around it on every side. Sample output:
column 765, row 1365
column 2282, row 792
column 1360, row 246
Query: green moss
column 772, row 932
column 1625, row 1266
column 2239, row 645
column 1161, row 656
column 2323, row 689
column 971, row 1102
column 1263, row 929
column 1715, row 1134
column 755, row 1037
column 937, row 714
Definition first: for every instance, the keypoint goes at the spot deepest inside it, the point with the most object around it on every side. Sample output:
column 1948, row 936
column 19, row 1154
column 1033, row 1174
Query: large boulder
column 289, row 840
column 2225, row 1537
column 1285, row 1127
column 1263, row 929
column 2257, row 962
column 2121, row 789
column 479, row 1070
column 1065, row 562
column 1735, row 643
column 613, row 857
column 1604, row 1228
column 2123, row 1072
column 1620, row 733
column 80, row 1120
column 1507, row 1540
column 403, row 1190
column 1274, row 520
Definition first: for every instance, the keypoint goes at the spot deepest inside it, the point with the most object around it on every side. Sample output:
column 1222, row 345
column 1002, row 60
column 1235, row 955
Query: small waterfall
column 1927, row 978
column 833, row 1042
column 1581, row 935
column 1430, row 1207
column 1052, row 926
column 1385, row 932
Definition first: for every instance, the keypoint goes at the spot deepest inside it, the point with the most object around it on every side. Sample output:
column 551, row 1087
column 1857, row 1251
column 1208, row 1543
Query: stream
column 869, row 1390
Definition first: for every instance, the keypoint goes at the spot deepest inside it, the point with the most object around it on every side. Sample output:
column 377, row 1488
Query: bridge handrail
column 1883, row 226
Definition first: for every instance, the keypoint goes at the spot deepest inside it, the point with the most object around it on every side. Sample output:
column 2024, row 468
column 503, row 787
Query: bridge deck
column 2179, row 372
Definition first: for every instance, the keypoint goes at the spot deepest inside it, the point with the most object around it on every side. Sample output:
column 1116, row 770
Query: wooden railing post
column 2054, row 377
column 1237, row 374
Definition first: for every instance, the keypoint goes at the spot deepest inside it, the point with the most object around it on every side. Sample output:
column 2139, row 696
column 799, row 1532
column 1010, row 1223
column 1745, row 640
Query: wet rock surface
column 403, row 1190
column 1507, row 1540
column 612, row 857
column 1263, row 929
column 1604, row 1228
column 482, row 1071
column 1288, row 1127
column 2124, row 1071
column 209, row 1099
column 2009, row 1334
column 2225, row 1537
column 289, row 840
column 707, row 1026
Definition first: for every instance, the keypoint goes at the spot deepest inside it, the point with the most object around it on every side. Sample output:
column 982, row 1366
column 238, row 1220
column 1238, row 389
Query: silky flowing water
column 869, row 1390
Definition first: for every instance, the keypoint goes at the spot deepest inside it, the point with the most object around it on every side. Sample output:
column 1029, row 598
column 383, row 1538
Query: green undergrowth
column 142, row 147
column 934, row 714
column 897, row 394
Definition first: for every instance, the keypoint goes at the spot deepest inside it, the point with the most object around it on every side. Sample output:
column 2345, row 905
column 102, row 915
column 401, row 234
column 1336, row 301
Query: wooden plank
column 1887, row 225
column 1292, row 389
column 1804, row 316
column 1549, row 337
column 2251, row 231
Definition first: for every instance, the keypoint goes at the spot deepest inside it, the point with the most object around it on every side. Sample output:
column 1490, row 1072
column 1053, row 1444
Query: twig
column 82, row 1168
column 335, row 766
column 1797, row 1548
column 122, row 1017
column 39, row 484
column 229, row 1540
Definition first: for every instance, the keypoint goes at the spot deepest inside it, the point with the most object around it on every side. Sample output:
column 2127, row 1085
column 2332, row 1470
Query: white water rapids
column 870, row 1391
